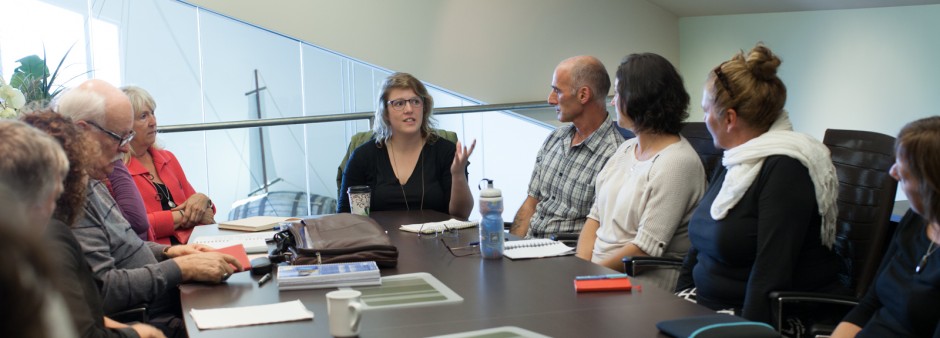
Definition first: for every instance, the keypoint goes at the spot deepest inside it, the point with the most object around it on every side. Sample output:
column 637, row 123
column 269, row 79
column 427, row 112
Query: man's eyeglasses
column 461, row 251
column 122, row 141
column 399, row 105
column 723, row 80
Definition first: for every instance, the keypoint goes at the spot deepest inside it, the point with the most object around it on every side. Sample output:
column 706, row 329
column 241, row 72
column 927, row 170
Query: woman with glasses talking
column 768, row 219
column 173, row 206
column 406, row 164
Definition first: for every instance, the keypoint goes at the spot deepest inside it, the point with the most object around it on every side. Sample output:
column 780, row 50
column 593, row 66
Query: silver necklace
column 923, row 259
column 402, row 186
column 160, row 195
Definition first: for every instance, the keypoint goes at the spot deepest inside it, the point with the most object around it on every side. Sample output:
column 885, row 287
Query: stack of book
column 301, row 277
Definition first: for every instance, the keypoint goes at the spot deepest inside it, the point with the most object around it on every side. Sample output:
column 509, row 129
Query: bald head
column 104, row 111
column 95, row 100
column 587, row 71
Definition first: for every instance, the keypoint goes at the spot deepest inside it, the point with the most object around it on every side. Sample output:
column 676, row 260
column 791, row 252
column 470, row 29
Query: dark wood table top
column 536, row 294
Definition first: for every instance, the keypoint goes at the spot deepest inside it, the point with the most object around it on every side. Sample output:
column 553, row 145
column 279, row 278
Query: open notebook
column 432, row 227
column 535, row 248
column 254, row 242
column 255, row 223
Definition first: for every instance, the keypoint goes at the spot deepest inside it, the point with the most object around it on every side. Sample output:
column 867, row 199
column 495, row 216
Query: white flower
column 12, row 97
column 7, row 113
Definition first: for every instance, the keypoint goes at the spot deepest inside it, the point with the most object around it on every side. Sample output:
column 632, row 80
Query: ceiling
column 686, row 8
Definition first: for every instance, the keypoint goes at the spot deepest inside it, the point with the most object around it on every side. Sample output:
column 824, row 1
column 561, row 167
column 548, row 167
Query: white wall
column 867, row 69
column 491, row 50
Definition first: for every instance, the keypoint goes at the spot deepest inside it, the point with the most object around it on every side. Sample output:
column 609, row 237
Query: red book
column 237, row 251
column 608, row 284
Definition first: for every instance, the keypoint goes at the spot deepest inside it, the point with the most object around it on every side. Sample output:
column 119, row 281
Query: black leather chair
column 701, row 140
column 866, row 200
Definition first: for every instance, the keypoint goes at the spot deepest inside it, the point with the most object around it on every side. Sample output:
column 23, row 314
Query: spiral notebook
column 432, row 227
column 535, row 248
column 254, row 242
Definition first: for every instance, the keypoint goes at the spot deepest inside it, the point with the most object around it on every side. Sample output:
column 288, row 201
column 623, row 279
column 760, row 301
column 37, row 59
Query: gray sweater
column 130, row 269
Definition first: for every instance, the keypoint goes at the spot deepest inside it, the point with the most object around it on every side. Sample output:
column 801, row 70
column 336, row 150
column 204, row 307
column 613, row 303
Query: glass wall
column 203, row 67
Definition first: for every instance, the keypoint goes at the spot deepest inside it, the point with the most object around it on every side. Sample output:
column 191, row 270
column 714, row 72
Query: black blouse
column 902, row 303
column 428, row 187
column 769, row 241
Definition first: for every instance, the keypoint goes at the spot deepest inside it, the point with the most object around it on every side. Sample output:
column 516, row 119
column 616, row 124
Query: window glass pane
column 243, row 160
column 52, row 29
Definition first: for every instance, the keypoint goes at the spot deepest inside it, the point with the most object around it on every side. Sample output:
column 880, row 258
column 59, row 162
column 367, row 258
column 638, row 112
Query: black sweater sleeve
column 787, row 204
column 79, row 288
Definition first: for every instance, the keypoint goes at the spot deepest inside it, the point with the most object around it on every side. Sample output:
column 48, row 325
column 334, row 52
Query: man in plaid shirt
column 561, row 190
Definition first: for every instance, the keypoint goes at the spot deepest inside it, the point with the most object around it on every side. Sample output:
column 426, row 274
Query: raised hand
column 461, row 157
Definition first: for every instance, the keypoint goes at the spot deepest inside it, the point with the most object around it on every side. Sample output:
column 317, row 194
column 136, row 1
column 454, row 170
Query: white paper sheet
column 250, row 315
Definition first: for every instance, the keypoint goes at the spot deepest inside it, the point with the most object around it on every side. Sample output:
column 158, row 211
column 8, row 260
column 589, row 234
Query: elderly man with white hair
column 133, row 272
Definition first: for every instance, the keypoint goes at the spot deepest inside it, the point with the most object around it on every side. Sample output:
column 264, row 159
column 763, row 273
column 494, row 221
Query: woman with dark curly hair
column 79, row 151
column 646, row 192
column 80, row 291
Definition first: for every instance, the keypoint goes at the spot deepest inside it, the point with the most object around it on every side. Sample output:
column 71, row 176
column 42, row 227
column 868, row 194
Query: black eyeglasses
column 725, row 84
column 122, row 141
column 399, row 104
column 461, row 251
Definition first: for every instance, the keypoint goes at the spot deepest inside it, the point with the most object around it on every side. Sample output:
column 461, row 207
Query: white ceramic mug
column 344, row 309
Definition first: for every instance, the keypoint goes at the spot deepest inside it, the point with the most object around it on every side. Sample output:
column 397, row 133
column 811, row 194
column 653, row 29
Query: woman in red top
column 173, row 206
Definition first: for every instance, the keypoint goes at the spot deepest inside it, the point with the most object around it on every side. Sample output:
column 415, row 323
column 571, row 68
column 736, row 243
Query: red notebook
column 610, row 284
column 237, row 251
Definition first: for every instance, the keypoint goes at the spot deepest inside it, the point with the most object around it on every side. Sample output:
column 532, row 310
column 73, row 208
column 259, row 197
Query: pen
column 264, row 279
column 610, row 276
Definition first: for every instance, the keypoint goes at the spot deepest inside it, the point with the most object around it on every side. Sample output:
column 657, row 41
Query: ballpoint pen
column 264, row 279
column 610, row 276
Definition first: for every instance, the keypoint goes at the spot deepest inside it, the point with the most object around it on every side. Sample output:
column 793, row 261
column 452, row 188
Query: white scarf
column 744, row 162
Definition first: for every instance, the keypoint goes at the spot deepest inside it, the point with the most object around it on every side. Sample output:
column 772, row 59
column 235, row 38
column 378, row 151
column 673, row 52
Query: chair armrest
column 778, row 300
column 569, row 239
column 138, row 315
column 634, row 265
column 811, row 297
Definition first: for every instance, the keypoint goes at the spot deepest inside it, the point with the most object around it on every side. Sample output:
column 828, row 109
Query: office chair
column 701, row 140
column 866, row 200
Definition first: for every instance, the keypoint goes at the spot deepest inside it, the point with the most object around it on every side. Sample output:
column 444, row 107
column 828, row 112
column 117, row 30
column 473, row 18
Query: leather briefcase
column 337, row 238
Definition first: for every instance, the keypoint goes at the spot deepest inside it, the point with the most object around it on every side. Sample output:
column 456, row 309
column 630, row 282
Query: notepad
column 237, row 251
column 250, row 315
column 255, row 223
column 254, row 242
column 535, row 248
column 606, row 284
column 432, row 227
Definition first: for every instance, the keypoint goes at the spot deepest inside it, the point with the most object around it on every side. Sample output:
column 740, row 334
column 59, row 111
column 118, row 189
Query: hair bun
column 762, row 63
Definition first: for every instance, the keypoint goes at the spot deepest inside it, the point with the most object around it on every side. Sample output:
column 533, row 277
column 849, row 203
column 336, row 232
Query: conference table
column 536, row 294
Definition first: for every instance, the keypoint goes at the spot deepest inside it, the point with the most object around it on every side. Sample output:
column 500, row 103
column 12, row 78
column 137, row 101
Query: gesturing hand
column 459, row 167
